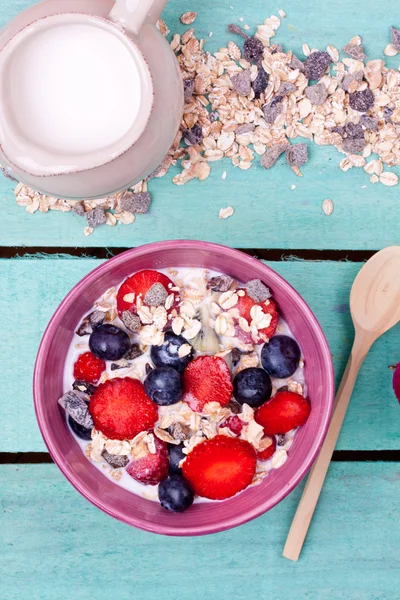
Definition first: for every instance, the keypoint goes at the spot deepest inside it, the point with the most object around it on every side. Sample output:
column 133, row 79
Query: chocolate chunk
column 361, row 101
column 395, row 37
column 96, row 318
column 354, row 130
column 75, row 406
column 272, row 154
column 179, row 432
column 368, row 123
column 242, row 82
column 83, row 386
column 316, row 94
column 257, row 290
column 273, row 109
column 133, row 352
column 349, row 78
column 253, row 50
column 232, row 28
column 85, row 328
column 260, row 82
column 356, row 51
column 78, row 209
column 387, row 114
column 221, row 283
column 137, row 204
column 297, row 155
column 156, row 295
column 117, row 461
column 188, row 89
column 131, row 321
column 286, row 88
column 193, row 136
column 353, row 145
column 245, row 128
column 316, row 65
column 96, row 217
column 296, row 63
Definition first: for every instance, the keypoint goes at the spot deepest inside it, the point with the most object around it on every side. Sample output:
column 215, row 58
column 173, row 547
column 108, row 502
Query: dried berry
column 353, row 145
column 234, row 406
column 76, row 406
column 117, row 461
column 280, row 438
column 96, row 318
column 221, row 283
column 253, row 50
column 133, row 353
column 387, row 114
column 131, row 321
column 179, row 432
column 85, row 328
column 232, row 28
column 193, row 136
column 96, row 217
column 316, row 65
column 356, row 51
column 188, row 89
column 395, row 37
column 296, row 63
column 242, row 82
column 286, row 88
column 297, row 155
column 137, row 204
column 272, row 154
column 349, row 78
column 257, row 290
column 316, row 94
column 361, row 101
column 369, row 123
column 260, row 82
column 83, row 386
column 245, row 128
column 273, row 109
column 78, row 209
column 156, row 295
column 148, row 368
column 354, row 130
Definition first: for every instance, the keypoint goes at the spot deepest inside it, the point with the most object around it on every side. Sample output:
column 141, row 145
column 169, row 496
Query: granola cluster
column 254, row 98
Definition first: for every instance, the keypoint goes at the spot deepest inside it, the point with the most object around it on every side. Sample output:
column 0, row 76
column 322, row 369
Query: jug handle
column 132, row 14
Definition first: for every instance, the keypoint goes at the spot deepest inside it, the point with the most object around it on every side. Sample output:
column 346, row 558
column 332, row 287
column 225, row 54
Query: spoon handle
column 316, row 478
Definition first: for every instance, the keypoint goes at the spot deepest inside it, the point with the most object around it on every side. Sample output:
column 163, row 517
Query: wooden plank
column 53, row 539
column 32, row 289
column 268, row 212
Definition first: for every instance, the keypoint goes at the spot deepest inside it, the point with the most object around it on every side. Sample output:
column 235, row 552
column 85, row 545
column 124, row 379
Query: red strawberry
column 152, row 468
column 285, row 411
column 221, row 467
column 121, row 409
column 245, row 304
column 207, row 379
column 268, row 447
column 140, row 283
column 234, row 424
column 89, row 368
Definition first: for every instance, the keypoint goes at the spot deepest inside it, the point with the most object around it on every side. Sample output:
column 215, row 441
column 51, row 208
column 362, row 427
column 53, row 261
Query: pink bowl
column 116, row 501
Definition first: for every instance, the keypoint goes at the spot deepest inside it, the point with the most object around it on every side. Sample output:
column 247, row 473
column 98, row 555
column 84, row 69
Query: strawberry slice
column 245, row 304
column 285, row 411
column 121, row 409
column 89, row 368
column 207, row 379
column 267, row 448
column 139, row 284
column 152, row 468
column 221, row 467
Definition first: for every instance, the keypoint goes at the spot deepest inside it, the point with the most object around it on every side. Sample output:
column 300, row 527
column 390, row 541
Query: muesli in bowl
column 185, row 385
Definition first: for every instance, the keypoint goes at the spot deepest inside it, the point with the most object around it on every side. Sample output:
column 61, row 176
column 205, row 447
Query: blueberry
column 252, row 386
column 281, row 356
column 164, row 386
column 175, row 457
column 109, row 342
column 167, row 355
column 82, row 432
column 175, row 494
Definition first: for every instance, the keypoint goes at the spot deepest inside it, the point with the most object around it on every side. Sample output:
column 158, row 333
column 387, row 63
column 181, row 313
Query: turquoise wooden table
column 54, row 544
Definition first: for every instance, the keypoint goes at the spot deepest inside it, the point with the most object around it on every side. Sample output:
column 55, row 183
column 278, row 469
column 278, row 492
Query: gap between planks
column 33, row 458
column 271, row 254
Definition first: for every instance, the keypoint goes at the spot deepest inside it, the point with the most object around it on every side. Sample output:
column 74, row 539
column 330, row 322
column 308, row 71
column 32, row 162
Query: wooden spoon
column 375, row 308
